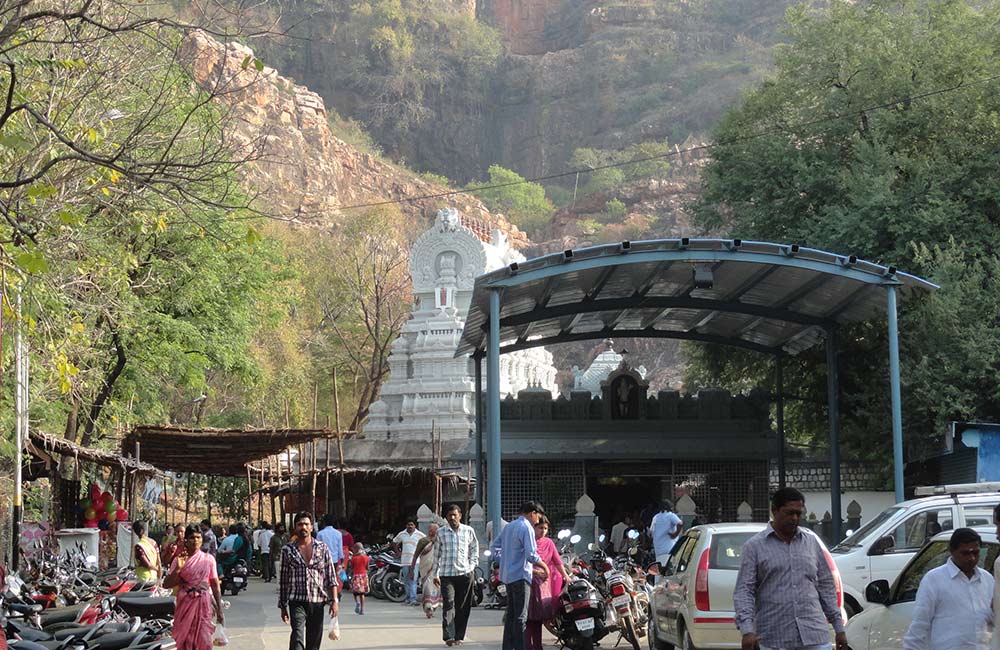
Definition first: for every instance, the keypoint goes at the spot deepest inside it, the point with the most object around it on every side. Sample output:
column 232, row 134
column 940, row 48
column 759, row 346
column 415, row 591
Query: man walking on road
column 516, row 551
column 455, row 556
column 330, row 535
column 953, row 610
column 209, row 544
column 406, row 544
column 785, row 596
column 665, row 529
column 308, row 581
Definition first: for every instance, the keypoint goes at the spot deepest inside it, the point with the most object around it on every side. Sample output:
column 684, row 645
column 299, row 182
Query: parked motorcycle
column 626, row 585
column 580, row 618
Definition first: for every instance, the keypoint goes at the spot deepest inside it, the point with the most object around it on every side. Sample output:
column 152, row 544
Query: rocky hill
column 301, row 171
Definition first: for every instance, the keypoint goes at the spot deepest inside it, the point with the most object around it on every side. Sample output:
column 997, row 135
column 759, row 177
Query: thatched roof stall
column 213, row 452
column 47, row 447
column 60, row 460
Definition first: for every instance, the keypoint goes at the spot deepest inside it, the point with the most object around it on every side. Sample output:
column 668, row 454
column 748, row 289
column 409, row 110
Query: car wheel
column 654, row 641
column 851, row 608
column 686, row 642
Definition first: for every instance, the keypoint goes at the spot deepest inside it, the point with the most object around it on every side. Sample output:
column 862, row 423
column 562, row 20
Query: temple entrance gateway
column 770, row 298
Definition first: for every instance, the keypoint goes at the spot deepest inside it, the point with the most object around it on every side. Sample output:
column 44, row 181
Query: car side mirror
column 882, row 546
column 877, row 592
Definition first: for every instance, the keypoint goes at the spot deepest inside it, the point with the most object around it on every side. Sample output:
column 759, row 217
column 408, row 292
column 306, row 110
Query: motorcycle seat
column 148, row 607
column 81, row 630
column 119, row 640
column 62, row 614
column 22, row 608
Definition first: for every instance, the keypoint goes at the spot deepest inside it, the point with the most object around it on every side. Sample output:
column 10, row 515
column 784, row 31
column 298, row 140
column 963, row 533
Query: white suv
column 884, row 622
column 881, row 548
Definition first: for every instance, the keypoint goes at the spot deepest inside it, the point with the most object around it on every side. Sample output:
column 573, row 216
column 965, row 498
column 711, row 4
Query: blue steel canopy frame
column 776, row 299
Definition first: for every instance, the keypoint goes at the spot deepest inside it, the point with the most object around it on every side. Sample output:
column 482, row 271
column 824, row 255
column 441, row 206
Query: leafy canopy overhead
column 877, row 136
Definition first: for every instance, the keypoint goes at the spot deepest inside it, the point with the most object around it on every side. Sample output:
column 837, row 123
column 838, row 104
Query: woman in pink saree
column 545, row 590
column 198, row 594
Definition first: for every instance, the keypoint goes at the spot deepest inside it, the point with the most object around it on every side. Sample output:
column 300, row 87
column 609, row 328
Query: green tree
column 123, row 224
column 523, row 202
column 876, row 136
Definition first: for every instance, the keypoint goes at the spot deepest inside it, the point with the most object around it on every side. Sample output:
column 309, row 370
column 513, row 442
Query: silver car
column 691, row 607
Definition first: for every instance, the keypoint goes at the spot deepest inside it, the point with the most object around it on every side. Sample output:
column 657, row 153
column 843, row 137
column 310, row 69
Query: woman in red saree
column 198, row 594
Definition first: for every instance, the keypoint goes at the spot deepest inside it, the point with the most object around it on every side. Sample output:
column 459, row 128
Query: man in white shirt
column 953, row 608
column 618, row 541
column 995, row 645
column 665, row 529
column 406, row 544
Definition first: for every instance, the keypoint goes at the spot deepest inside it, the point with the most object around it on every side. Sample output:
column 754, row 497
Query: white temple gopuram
column 427, row 385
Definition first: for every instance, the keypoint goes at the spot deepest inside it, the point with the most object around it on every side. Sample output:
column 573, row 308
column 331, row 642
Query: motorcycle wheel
column 586, row 643
column 234, row 590
column 628, row 631
column 395, row 590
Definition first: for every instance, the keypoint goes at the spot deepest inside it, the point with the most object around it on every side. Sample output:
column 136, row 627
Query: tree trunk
column 105, row 393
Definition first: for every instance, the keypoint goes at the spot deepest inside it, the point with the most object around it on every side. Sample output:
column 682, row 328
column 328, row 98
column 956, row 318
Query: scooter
column 580, row 618
column 234, row 577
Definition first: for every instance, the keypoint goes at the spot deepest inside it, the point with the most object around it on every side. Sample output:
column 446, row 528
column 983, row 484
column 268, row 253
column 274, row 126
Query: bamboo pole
column 274, row 518
column 249, row 496
column 187, row 499
column 340, row 446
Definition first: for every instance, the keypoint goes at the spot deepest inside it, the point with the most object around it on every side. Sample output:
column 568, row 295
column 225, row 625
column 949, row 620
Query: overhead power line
column 680, row 152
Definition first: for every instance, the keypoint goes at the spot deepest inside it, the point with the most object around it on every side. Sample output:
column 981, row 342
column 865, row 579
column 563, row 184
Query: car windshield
column 858, row 537
column 932, row 556
column 727, row 549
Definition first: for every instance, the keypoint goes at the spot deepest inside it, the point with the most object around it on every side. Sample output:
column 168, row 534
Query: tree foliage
column 523, row 202
column 123, row 224
column 877, row 136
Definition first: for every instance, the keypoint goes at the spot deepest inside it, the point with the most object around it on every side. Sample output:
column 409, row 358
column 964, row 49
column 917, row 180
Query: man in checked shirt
column 308, row 581
column 786, row 597
column 456, row 552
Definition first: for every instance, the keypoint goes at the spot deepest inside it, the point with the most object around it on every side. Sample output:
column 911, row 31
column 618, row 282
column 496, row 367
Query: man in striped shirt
column 308, row 581
column 456, row 553
column 786, row 596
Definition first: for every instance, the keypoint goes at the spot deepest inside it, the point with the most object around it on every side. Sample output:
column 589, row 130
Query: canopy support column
column 478, row 360
column 897, row 402
column 779, row 405
column 833, row 413
column 493, row 411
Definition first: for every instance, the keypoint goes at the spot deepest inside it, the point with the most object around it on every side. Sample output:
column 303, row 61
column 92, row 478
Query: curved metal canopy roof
column 773, row 298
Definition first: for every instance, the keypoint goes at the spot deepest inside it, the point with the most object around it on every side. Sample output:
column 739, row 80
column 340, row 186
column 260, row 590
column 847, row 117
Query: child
column 359, row 576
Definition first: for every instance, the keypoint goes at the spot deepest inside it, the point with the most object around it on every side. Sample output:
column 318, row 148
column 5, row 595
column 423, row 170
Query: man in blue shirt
column 330, row 535
column 665, row 530
column 517, row 553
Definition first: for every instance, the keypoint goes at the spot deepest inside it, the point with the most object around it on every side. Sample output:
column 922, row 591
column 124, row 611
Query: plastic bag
column 333, row 630
column 220, row 637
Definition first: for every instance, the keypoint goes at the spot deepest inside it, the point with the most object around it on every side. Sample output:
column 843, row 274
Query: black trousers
column 307, row 625
column 516, row 620
column 266, row 567
column 456, row 593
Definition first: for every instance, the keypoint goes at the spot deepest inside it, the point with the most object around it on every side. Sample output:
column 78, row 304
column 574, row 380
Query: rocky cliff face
column 606, row 74
column 299, row 168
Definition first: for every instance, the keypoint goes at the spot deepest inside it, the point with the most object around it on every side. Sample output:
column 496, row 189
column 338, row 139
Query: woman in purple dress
column 544, row 590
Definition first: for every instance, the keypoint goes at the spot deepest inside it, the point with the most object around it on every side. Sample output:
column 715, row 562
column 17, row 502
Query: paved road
column 253, row 623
